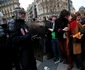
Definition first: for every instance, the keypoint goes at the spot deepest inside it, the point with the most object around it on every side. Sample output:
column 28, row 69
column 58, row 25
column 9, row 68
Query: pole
column 69, row 5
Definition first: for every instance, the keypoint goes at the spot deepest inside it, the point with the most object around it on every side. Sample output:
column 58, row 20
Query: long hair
column 64, row 13
column 73, row 16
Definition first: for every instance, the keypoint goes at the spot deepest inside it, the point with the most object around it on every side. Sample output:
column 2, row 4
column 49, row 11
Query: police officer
column 5, row 62
column 22, row 39
column 15, row 55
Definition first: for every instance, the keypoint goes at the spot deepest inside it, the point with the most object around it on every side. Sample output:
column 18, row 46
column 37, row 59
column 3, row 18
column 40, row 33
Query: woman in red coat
column 75, row 27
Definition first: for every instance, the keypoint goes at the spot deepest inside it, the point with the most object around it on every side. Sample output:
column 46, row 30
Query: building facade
column 7, row 7
column 31, row 11
column 82, row 10
column 3, row 1
column 52, row 7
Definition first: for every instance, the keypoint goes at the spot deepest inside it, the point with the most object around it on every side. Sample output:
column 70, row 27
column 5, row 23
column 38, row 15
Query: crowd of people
column 63, row 41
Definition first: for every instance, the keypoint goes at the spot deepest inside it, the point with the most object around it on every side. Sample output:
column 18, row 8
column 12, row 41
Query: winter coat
column 48, row 25
column 60, row 24
column 75, row 28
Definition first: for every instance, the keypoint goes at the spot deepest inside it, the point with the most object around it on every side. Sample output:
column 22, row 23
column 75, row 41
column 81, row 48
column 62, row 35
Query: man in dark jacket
column 83, row 42
column 48, row 37
column 22, row 38
column 55, row 45
column 61, row 27
column 5, row 62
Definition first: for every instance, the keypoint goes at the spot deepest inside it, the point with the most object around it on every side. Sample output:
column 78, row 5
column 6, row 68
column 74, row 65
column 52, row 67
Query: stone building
column 31, row 11
column 7, row 7
column 52, row 7
column 82, row 10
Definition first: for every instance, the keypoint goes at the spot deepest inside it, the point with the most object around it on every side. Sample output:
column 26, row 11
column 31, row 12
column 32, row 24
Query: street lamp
column 69, row 5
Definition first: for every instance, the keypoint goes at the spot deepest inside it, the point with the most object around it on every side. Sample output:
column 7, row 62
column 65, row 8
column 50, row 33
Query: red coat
column 75, row 26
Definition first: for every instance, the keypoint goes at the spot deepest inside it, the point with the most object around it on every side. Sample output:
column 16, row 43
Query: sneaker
column 56, row 62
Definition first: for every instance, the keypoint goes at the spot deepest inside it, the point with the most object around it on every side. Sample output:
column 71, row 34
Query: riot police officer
column 5, row 62
column 15, row 55
column 21, row 37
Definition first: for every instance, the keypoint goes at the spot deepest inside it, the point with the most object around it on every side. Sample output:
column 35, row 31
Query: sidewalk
column 48, row 63
column 62, row 66
column 52, row 66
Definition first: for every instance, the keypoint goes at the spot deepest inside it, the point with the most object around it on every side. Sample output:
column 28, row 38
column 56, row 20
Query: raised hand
column 26, row 30
column 22, row 31
column 66, row 29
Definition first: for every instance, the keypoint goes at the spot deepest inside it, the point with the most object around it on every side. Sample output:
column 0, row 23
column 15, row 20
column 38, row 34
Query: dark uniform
column 15, row 55
column 23, row 42
column 5, row 62
column 48, row 38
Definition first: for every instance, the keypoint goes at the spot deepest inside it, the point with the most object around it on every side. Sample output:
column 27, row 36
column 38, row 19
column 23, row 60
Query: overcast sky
column 76, row 3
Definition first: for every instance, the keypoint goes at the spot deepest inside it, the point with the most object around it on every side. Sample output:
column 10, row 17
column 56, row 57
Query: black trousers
column 49, row 47
column 5, row 60
column 15, row 57
column 83, row 49
column 78, row 60
column 28, row 61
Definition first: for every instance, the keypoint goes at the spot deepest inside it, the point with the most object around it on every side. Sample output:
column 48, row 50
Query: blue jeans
column 56, row 48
